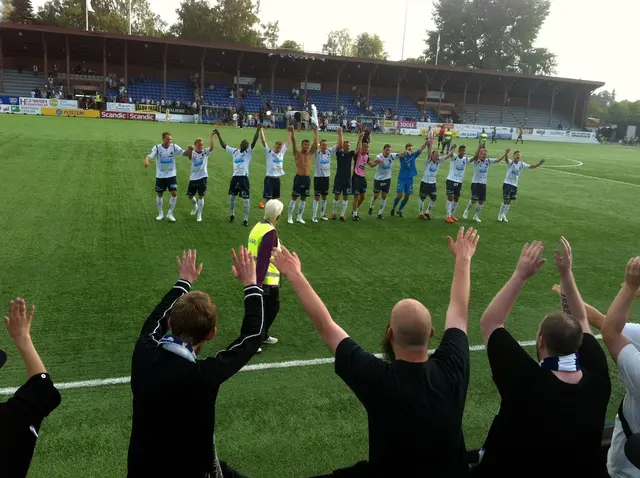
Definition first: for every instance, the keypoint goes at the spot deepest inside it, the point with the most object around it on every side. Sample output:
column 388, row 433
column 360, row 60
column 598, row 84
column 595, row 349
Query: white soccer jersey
column 323, row 163
column 166, row 163
column 241, row 160
column 513, row 172
column 275, row 161
column 431, row 171
column 354, row 123
column 199, row 162
column 383, row 170
column 481, row 170
column 457, row 168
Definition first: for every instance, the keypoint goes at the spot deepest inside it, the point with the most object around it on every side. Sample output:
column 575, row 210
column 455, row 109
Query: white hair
column 273, row 210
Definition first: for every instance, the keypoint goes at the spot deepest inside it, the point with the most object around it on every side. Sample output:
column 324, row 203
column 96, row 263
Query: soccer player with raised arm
column 382, row 179
column 342, row 180
column 199, row 157
column 302, row 179
column 479, row 183
column 454, row 181
column 275, row 169
column 408, row 171
column 428, row 185
column 510, row 186
column 166, row 174
column 240, row 180
column 359, row 178
column 321, row 176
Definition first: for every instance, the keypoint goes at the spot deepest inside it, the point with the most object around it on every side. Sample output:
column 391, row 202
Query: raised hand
column 187, row 266
column 244, row 267
column 506, row 151
column 286, row 262
column 557, row 289
column 18, row 322
column 339, row 130
column 541, row 162
column 290, row 128
column 530, row 260
column 564, row 262
column 465, row 245
column 632, row 276
column 215, row 131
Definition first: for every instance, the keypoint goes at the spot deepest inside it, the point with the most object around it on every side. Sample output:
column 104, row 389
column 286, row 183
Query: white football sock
column 454, row 206
column 383, row 204
column 194, row 202
column 301, row 208
column 345, row 204
column 478, row 210
column 335, row 206
column 160, row 202
column 421, row 205
column 506, row 210
column 448, row 208
column 373, row 202
column 323, row 208
column 292, row 207
column 172, row 204
column 247, row 206
column 200, row 205
column 232, row 204
column 431, row 205
column 316, row 203
column 469, row 206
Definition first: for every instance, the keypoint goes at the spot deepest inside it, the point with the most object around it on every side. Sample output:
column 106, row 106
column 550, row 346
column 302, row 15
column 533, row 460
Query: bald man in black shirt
column 414, row 402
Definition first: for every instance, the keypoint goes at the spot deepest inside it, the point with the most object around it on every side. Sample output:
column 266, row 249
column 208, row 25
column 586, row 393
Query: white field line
column 248, row 368
column 576, row 164
column 590, row 177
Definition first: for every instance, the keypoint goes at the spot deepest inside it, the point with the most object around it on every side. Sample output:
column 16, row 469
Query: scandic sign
column 127, row 116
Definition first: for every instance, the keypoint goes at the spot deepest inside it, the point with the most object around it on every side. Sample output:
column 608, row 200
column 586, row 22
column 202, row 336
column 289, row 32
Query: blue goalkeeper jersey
column 408, row 169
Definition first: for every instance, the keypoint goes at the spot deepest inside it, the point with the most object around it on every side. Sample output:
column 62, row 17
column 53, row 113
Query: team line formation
column 350, row 177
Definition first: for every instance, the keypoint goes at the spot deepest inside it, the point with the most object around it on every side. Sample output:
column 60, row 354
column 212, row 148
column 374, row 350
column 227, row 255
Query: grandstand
column 403, row 90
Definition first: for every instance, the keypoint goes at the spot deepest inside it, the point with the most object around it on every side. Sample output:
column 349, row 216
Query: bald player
column 414, row 402
column 302, row 180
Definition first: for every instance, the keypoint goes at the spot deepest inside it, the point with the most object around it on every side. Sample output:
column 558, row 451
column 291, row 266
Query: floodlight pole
column 404, row 34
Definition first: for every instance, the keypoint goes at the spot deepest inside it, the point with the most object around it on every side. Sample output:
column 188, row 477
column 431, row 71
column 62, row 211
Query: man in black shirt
column 552, row 410
column 414, row 403
column 22, row 415
column 174, row 392
column 342, row 180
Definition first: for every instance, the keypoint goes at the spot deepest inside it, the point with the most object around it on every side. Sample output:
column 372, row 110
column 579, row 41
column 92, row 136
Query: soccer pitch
column 80, row 240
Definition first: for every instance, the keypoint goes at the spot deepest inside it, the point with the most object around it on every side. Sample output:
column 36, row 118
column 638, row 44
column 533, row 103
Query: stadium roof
column 17, row 39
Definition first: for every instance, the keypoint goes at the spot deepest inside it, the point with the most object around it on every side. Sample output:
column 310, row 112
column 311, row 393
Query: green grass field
column 80, row 240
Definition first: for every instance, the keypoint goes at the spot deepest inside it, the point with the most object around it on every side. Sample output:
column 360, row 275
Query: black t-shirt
column 20, row 420
column 545, row 426
column 414, row 409
column 344, row 159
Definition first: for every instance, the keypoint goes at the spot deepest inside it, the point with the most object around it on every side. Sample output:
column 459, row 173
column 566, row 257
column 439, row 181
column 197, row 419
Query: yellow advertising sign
column 389, row 123
column 152, row 108
column 70, row 112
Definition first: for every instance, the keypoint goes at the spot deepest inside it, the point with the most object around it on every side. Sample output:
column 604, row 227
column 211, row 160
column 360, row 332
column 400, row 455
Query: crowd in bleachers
column 552, row 408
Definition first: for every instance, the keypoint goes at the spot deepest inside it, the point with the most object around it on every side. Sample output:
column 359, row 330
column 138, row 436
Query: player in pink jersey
column 359, row 177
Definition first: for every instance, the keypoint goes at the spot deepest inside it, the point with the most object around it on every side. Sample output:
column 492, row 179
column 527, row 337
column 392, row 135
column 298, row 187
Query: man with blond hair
column 414, row 402
column 263, row 238
column 173, row 388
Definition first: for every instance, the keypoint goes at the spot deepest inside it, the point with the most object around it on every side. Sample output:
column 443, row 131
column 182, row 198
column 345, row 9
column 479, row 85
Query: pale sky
column 592, row 41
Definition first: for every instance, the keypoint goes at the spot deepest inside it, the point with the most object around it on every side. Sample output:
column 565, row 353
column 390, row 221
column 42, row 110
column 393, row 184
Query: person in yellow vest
column 98, row 101
column 446, row 144
column 263, row 238
column 483, row 138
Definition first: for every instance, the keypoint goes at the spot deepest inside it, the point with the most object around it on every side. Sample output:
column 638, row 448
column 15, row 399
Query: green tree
column 5, row 9
column 369, row 46
column 291, row 45
column 339, row 43
column 420, row 59
column 495, row 35
column 19, row 11
column 271, row 34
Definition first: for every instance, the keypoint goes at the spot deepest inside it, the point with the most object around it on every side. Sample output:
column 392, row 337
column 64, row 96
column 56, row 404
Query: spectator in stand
column 623, row 342
column 130, row 100
column 414, row 402
column 35, row 70
column 22, row 415
column 552, row 409
column 55, row 70
column 33, row 93
column 172, row 387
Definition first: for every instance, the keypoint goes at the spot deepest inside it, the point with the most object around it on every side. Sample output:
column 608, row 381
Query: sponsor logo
column 126, row 107
column 142, row 116
column 114, row 115
column 15, row 109
column 5, row 109
column 53, row 102
column 69, row 112
column 407, row 124
column 581, row 134
column 34, row 101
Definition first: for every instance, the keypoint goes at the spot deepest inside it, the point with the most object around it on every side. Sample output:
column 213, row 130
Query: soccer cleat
column 199, row 218
column 325, row 218
column 314, row 220
column 504, row 219
column 499, row 217
column 334, row 216
column 245, row 223
column 231, row 218
column 400, row 214
column 380, row 216
column 300, row 221
column 393, row 212
column 171, row 218
column 421, row 216
column 160, row 217
column 270, row 341
column 343, row 218
column 290, row 220
column 476, row 218
column 194, row 211
column 261, row 205
column 427, row 215
column 455, row 219
column 465, row 214
column 449, row 220
column 259, row 351
column 370, row 211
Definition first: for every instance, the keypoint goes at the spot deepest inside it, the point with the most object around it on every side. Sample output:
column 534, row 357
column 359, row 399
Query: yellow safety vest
column 483, row 136
column 255, row 238
column 448, row 135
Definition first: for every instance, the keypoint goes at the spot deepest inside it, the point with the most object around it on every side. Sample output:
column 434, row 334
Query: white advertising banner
column 123, row 107
column 410, row 131
column 175, row 118
column 558, row 136
column 5, row 109
column 48, row 102
column 311, row 86
column 28, row 110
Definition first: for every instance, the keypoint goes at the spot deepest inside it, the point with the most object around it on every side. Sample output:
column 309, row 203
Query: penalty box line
column 247, row 368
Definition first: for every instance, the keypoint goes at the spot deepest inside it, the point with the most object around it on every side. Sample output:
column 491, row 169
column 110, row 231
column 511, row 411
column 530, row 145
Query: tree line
column 496, row 35
column 603, row 105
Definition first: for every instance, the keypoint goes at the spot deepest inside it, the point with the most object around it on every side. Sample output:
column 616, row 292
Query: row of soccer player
column 350, row 177
column 551, row 414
